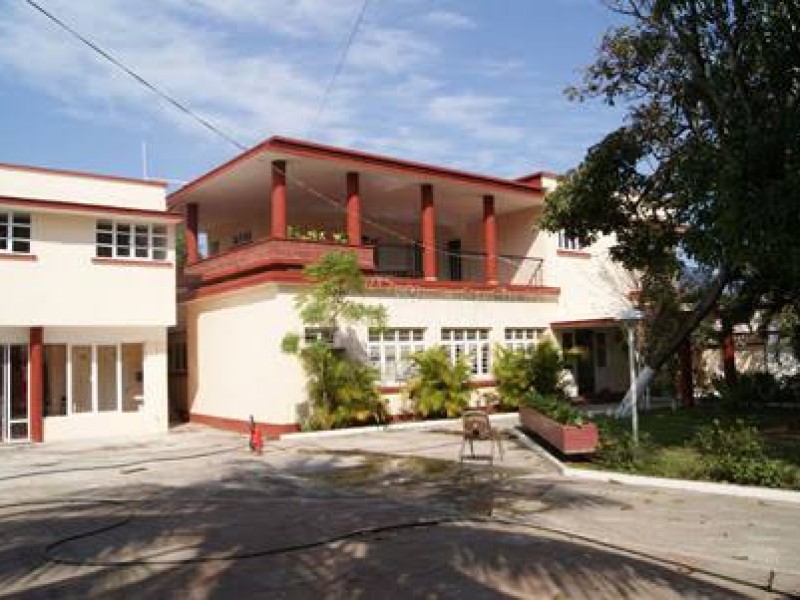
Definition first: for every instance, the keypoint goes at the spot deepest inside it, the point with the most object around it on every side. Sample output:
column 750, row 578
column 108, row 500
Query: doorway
column 14, row 409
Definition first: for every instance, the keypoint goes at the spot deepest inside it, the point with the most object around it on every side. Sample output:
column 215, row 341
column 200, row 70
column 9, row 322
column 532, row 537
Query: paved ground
column 193, row 515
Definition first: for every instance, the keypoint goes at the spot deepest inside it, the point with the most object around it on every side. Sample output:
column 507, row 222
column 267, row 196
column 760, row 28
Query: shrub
column 512, row 372
column 520, row 371
column 341, row 390
column 554, row 406
column 750, row 390
column 438, row 388
column 617, row 450
column 735, row 453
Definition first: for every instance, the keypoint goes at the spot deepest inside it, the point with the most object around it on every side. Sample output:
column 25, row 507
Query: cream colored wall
column 592, row 287
column 235, row 363
column 237, row 368
column 63, row 287
column 20, row 183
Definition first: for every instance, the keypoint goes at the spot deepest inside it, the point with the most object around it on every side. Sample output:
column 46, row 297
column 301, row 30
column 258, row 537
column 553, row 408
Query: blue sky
column 473, row 84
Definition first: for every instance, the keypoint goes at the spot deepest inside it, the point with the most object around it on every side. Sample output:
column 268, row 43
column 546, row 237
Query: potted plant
column 561, row 425
column 543, row 405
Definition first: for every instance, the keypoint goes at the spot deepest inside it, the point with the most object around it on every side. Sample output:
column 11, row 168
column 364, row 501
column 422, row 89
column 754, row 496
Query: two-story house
column 456, row 258
column 87, row 293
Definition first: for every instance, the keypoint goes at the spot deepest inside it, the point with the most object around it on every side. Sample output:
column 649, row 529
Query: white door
column 14, row 398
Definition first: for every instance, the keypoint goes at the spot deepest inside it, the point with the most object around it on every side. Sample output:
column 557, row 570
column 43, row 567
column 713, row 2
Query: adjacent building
column 458, row 260
column 87, row 265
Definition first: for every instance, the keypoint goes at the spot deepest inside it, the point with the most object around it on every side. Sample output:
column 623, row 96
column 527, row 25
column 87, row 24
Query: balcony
column 268, row 254
column 405, row 261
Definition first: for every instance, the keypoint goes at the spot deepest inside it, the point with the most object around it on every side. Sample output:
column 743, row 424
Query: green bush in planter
column 555, row 407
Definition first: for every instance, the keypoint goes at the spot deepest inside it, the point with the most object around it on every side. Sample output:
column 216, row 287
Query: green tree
column 705, row 170
column 439, row 387
column 341, row 389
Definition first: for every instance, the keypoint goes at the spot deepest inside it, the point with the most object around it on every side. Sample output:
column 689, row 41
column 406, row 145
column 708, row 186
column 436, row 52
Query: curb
column 411, row 425
column 703, row 487
column 686, row 485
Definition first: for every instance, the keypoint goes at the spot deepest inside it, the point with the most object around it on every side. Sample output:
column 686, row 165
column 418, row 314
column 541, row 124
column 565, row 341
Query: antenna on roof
column 144, row 159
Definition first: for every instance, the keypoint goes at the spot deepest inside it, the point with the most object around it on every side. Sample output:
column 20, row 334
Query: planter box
column 567, row 439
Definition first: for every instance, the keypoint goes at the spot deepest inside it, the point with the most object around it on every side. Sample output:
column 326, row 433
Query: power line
column 184, row 108
column 339, row 66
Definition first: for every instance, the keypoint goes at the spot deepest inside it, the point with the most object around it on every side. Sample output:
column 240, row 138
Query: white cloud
column 479, row 116
column 450, row 20
column 389, row 50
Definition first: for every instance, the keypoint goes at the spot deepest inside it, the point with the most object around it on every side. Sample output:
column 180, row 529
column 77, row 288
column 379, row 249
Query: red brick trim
column 70, row 173
column 18, row 257
column 303, row 148
column 604, row 322
column 153, row 215
column 573, row 253
column 270, row 430
column 124, row 262
column 384, row 283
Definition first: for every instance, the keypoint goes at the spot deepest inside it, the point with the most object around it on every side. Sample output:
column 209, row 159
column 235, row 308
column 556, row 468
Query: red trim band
column 124, row 262
column 573, row 253
column 91, row 208
column 18, row 257
column 270, row 430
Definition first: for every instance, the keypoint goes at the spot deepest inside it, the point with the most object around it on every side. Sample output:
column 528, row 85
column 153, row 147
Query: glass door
column 14, row 424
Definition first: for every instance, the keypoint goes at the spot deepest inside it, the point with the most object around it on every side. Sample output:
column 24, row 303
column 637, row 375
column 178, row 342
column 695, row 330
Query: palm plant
column 439, row 387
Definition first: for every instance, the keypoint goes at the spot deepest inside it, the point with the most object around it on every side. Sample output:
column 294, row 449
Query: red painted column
column 278, row 199
column 686, row 379
column 353, row 210
column 191, row 234
column 490, row 240
column 429, row 270
column 36, row 384
column 728, row 355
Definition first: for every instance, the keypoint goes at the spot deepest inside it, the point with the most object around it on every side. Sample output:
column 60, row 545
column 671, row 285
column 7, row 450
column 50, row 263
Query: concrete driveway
column 193, row 515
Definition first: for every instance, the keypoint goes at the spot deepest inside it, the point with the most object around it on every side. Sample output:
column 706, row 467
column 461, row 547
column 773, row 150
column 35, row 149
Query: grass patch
column 669, row 445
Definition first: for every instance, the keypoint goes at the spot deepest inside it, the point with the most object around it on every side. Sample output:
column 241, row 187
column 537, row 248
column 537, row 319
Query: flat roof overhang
column 321, row 163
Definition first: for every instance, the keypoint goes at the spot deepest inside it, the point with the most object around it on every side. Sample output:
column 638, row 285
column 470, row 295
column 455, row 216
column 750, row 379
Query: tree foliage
column 705, row 170
column 439, row 387
column 341, row 389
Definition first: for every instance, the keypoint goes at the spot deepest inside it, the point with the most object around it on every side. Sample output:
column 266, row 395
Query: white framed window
column 566, row 242
column 518, row 338
column 114, row 239
column 390, row 351
column 470, row 342
column 318, row 334
column 15, row 232
column 103, row 378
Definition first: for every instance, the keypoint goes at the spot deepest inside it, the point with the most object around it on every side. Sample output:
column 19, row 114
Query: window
column 131, row 240
column 318, row 334
column 602, row 349
column 518, row 338
column 390, row 350
column 566, row 242
column 242, row 237
column 473, row 343
column 102, row 378
column 55, row 380
column 15, row 232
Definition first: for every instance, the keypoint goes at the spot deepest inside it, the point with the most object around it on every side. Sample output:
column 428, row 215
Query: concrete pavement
column 194, row 515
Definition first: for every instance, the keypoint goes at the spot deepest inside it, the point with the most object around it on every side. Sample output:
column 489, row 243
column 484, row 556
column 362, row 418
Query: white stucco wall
column 40, row 184
column 64, row 287
column 237, row 367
